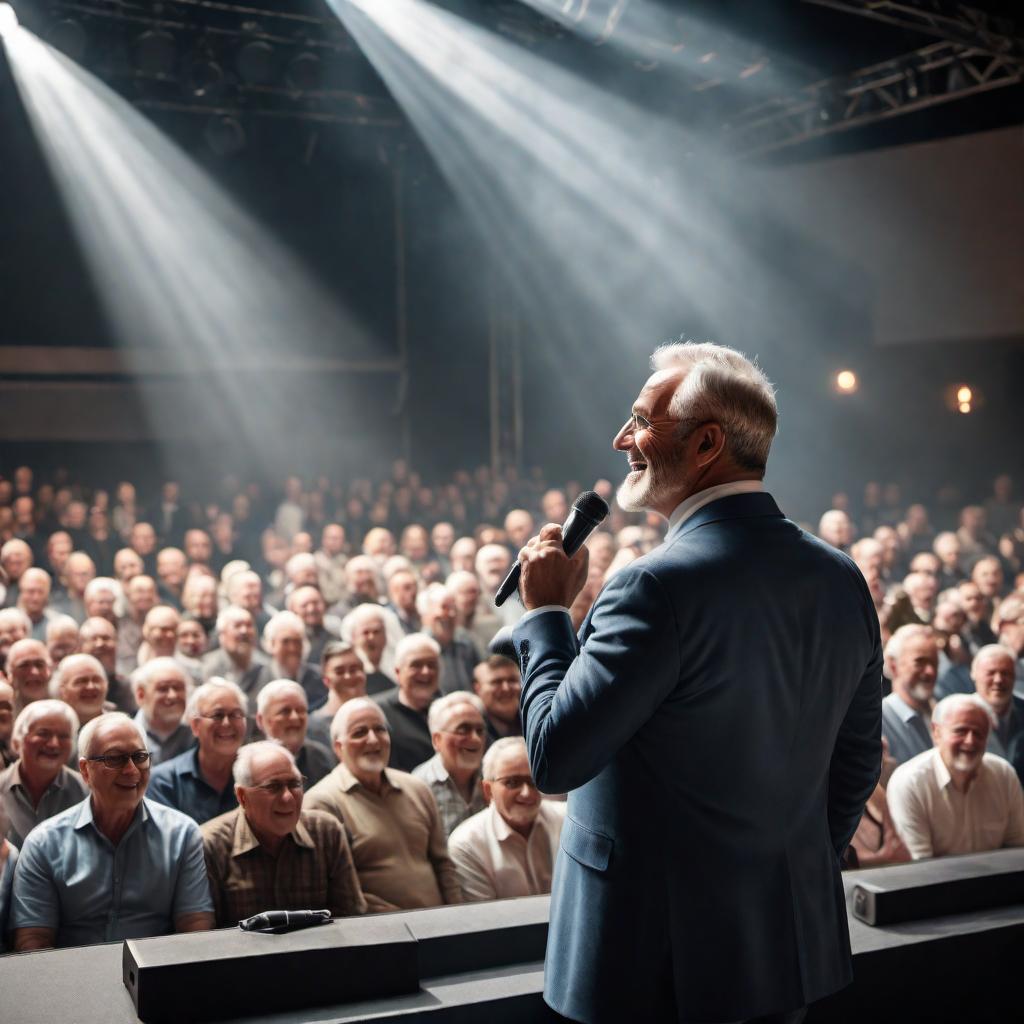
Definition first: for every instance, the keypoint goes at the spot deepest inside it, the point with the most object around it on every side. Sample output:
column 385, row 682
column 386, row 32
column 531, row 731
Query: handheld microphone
column 587, row 514
column 277, row 921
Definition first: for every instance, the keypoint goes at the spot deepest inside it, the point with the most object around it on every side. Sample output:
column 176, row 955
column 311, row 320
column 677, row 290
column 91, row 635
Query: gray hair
column 16, row 615
column 145, row 674
column 460, row 576
column 339, row 722
column 31, row 714
column 276, row 622
column 107, row 583
column 360, row 614
column 208, row 689
column 411, row 642
column 894, row 648
column 949, row 705
column 443, row 707
column 429, row 596
column 69, row 665
column 278, row 688
column 229, row 612
column 723, row 385
column 58, row 623
column 241, row 770
column 300, row 560
column 89, row 730
column 505, row 745
column 993, row 651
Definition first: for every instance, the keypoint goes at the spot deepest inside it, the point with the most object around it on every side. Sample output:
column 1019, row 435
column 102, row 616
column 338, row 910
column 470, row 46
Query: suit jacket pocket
column 587, row 847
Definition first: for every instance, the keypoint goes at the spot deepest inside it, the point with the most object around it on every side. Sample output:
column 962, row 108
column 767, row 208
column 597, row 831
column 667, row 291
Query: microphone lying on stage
column 588, row 512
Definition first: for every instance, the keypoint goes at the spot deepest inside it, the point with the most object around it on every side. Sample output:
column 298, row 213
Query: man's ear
column 710, row 443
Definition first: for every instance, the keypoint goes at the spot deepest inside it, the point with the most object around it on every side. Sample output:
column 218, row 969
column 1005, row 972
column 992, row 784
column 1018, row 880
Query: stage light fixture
column 846, row 381
column 224, row 135
column 8, row 20
column 964, row 395
column 256, row 62
column 156, row 53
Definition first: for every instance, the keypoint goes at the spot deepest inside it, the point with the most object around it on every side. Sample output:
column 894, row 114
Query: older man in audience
column 14, row 626
column 308, row 603
column 7, row 755
column 161, row 692
column 835, row 528
column 459, row 656
column 100, row 599
column 284, row 638
column 330, row 562
column 78, row 572
column 33, row 600
column 29, row 668
column 947, row 548
column 418, row 667
column 497, row 683
column 956, row 798
column 198, row 782
column 911, row 659
column 367, row 627
column 1009, row 623
column 492, row 563
column 236, row 658
column 270, row 853
column 282, row 714
column 140, row 593
column 508, row 849
column 403, row 588
column 82, row 684
column 159, row 633
column 98, row 636
column 171, row 566
column 344, row 678
column 189, row 647
column 398, row 843
column 245, row 590
column 459, row 735
column 62, row 637
column 15, row 557
column 63, row 894
column 39, row 784
column 978, row 629
column 992, row 674
column 987, row 574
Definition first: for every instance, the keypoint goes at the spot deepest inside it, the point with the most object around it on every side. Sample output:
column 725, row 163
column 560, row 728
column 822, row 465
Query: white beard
column 967, row 762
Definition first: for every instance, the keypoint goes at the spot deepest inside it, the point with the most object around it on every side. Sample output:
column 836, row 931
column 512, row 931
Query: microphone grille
column 591, row 505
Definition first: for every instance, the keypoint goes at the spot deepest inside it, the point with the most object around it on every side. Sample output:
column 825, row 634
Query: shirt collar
column 942, row 776
column 688, row 506
column 59, row 781
column 902, row 708
column 85, row 816
column 349, row 781
column 245, row 839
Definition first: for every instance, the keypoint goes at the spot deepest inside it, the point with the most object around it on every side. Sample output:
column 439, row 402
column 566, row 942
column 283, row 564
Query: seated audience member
column 947, row 549
column 62, row 637
column 1009, row 622
column 496, row 682
column 459, row 735
column 101, row 599
column 82, row 684
column 63, row 894
column 161, row 692
column 236, row 659
column 992, row 672
column 492, row 564
column 79, row 572
column 978, row 629
column 398, row 843
column 140, row 596
column 912, row 658
column 245, row 590
column 198, row 782
column 282, row 714
column 171, row 566
column 8, row 862
column 34, row 599
column 159, row 633
column 509, row 848
column 28, row 670
column 15, row 558
column 367, row 626
column 14, row 626
column 98, row 637
column 470, row 608
column 418, row 667
column 459, row 656
column 7, row 756
column 402, row 591
column 199, row 601
column 284, row 638
column 39, row 784
column 269, row 853
column 344, row 678
column 987, row 575
column 956, row 798
column 308, row 603
column 835, row 528
column 190, row 648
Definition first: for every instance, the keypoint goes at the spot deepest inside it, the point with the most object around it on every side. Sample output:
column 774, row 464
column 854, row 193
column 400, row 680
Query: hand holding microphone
column 552, row 565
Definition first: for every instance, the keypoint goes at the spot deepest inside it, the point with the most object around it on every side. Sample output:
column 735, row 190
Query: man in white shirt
column 956, row 798
column 509, row 848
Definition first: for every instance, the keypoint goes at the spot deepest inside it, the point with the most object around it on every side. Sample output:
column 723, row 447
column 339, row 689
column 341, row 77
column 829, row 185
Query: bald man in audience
column 282, row 714
column 63, row 894
column 161, row 692
column 237, row 658
column 398, row 842
column 418, row 667
column 82, row 684
column 956, row 798
column 39, row 784
column 62, row 637
column 29, row 668
column 98, row 637
column 271, row 853
column 508, row 849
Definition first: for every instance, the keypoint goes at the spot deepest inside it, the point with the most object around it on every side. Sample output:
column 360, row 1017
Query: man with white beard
column 912, row 659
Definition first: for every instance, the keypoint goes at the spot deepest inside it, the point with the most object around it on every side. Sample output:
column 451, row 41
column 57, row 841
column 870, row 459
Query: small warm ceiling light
column 964, row 395
column 965, row 407
column 8, row 20
column 846, row 380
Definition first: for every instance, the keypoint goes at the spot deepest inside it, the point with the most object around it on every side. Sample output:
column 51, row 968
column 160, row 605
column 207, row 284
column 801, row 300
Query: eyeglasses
column 115, row 762
column 225, row 716
column 515, row 782
column 464, row 731
column 278, row 786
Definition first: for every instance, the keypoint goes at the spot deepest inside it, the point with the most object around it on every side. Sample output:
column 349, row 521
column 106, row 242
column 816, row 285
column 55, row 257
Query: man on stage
column 717, row 723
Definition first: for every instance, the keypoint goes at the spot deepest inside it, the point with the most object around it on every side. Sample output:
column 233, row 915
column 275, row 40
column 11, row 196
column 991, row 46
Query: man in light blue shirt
column 114, row 866
column 912, row 658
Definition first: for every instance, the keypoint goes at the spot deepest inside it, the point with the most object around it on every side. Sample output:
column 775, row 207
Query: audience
column 956, row 798
column 497, row 683
column 509, row 848
column 282, row 714
column 82, row 684
column 418, row 667
column 8, row 862
column 29, row 668
column 161, row 691
column 62, row 893
column 992, row 672
column 7, row 756
column 398, row 842
column 270, row 853
column 912, row 659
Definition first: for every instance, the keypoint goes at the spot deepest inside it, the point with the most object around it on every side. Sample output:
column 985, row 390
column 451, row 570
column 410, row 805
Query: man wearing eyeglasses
column 199, row 781
column 115, row 866
column 269, row 853
column 509, row 848
column 459, row 735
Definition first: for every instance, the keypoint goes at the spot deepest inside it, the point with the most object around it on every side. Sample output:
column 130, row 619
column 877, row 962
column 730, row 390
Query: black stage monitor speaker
column 205, row 976
column 936, row 888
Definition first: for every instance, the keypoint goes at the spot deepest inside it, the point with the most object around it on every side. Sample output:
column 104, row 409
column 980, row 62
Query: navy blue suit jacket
column 717, row 722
